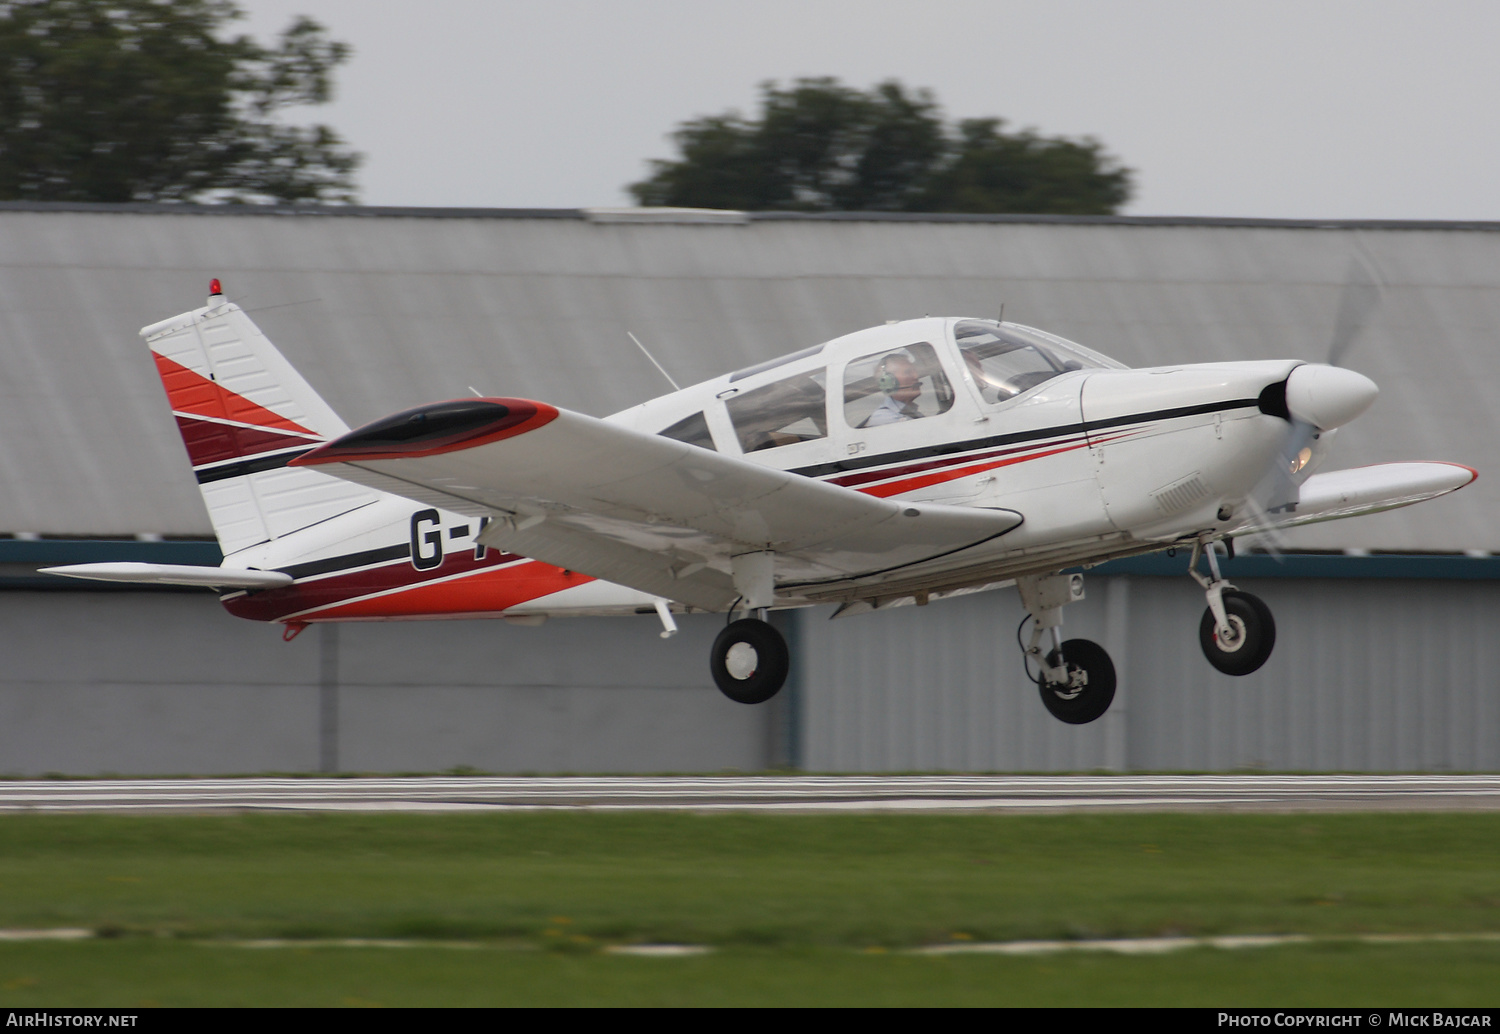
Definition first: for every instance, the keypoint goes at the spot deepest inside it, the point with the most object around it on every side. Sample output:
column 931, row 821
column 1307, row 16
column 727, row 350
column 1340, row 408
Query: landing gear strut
column 1076, row 678
column 1237, row 632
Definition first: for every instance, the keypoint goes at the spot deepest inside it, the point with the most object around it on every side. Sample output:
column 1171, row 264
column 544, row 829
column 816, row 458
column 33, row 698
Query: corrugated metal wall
column 1368, row 675
column 163, row 683
column 383, row 312
column 1388, row 675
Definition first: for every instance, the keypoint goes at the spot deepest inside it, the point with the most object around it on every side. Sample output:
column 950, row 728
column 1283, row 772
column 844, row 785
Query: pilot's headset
column 885, row 380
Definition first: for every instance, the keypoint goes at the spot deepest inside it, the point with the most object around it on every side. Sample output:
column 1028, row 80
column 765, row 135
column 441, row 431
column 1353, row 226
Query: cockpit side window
column 693, row 430
column 783, row 412
column 1004, row 359
column 895, row 385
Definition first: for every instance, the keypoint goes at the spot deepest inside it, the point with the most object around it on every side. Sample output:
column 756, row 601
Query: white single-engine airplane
column 904, row 463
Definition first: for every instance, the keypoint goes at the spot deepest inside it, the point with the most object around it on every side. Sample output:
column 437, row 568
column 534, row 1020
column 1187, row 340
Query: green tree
column 147, row 100
column 823, row 146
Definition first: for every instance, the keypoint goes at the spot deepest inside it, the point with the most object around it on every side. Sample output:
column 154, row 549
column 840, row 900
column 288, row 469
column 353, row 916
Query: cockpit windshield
column 1006, row 359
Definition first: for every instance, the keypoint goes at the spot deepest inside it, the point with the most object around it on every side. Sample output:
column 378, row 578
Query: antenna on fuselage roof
column 654, row 363
column 1001, row 318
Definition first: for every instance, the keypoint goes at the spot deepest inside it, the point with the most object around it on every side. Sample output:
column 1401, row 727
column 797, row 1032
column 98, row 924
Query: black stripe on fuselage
column 249, row 465
column 348, row 561
column 949, row 448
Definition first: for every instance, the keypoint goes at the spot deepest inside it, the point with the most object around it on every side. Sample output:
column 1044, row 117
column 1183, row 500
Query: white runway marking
column 55, row 933
column 765, row 793
column 1118, row 946
column 658, row 951
column 1161, row 945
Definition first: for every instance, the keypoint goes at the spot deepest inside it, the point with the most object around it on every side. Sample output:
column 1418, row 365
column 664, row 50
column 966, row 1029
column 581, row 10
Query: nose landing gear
column 1237, row 632
column 1090, row 685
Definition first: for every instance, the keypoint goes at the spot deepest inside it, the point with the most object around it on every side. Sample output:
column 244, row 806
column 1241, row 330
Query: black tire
column 1079, row 705
column 753, row 675
column 1253, row 619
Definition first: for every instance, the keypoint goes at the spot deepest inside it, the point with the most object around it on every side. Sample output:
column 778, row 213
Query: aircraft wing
column 638, row 509
column 1359, row 490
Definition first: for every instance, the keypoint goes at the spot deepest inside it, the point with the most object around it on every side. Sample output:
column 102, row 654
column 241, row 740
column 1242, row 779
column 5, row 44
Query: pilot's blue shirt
column 890, row 412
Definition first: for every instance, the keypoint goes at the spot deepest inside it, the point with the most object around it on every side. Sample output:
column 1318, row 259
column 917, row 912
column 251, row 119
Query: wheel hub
column 1236, row 637
column 1078, row 681
column 741, row 661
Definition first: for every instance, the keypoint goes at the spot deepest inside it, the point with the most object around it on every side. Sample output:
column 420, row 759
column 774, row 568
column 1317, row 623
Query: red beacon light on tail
column 214, row 288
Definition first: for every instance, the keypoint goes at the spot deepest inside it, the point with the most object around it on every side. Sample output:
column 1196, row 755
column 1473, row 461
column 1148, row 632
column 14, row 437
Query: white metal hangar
column 1384, row 658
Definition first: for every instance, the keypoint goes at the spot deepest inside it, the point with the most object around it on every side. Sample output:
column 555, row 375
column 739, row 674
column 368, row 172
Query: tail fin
column 244, row 412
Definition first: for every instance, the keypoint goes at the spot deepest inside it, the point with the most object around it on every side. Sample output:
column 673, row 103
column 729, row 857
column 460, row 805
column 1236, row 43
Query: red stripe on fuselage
column 853, row 480
column 499, row 580
column 191, row 392
column 891, row 488
column 952, row 472
column 484, row 592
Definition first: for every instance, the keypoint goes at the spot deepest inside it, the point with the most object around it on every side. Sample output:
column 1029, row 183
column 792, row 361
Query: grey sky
column 1276, row 108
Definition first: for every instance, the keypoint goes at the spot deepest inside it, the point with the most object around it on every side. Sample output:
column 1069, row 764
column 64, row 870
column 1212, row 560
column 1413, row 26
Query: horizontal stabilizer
column 174, row 574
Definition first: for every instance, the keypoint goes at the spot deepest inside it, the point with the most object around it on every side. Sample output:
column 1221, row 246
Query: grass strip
column 147, row 973
column 557, row 880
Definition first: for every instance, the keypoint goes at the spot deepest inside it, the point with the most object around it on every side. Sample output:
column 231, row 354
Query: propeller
column 1357, row 303
column 1316, row 399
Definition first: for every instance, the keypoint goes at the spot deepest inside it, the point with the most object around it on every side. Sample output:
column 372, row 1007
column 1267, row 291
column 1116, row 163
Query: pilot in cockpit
column 901, row 381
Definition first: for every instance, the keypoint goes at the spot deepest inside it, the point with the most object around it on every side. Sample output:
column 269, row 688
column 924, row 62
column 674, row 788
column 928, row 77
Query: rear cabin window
column 693, row 431
column 783, row 412
column 895, row 386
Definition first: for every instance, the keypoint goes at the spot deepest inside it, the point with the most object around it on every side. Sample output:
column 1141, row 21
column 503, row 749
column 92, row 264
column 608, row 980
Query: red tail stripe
column 191, row 392
column 210, row 442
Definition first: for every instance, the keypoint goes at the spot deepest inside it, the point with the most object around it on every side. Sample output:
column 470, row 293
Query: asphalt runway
column 1244, row 793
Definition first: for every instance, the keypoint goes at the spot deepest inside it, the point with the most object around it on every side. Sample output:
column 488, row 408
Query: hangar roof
column 384, row 309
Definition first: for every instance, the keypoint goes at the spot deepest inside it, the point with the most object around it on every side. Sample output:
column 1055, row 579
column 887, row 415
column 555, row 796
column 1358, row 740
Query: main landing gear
column 1076, row 678
column 1237, row 632
column 750, row 660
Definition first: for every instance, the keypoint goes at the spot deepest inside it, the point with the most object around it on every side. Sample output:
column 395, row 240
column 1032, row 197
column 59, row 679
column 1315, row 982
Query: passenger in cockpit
column 901, row 381
column 988, row 389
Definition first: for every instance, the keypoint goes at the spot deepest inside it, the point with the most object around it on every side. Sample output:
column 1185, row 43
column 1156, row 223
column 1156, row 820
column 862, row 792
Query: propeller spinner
column 1328, row 396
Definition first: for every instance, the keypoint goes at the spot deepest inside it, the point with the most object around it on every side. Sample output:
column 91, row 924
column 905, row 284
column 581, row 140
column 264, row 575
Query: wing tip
column 434, row 429
column 1473, row 474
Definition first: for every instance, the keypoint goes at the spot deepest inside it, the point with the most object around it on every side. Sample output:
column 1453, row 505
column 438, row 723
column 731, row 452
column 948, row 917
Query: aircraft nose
column 1328, row 396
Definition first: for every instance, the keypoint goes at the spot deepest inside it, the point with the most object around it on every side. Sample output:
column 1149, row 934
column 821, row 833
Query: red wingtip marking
column 390, row 439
